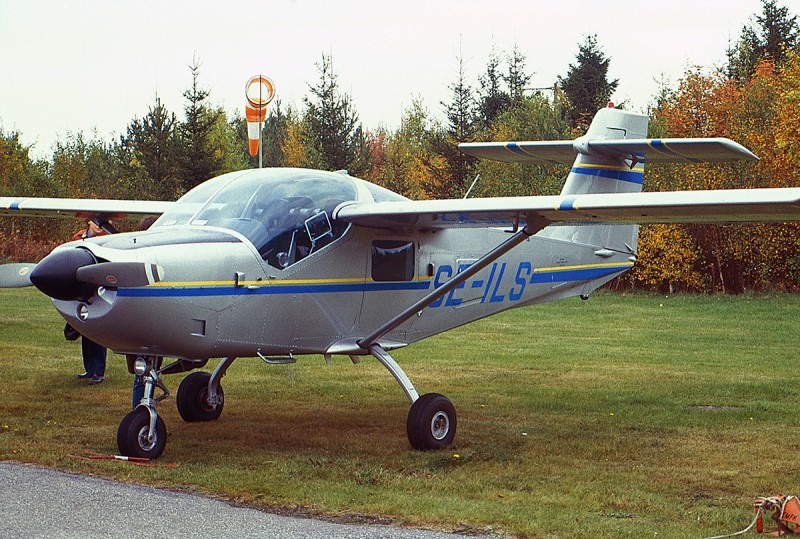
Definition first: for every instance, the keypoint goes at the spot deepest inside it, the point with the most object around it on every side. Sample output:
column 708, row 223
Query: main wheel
column 192, row 398
column 431, row 422
column 132, row 433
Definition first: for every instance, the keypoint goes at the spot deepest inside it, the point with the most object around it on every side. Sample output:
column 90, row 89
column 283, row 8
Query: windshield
column 190, row 203
column 285, row 213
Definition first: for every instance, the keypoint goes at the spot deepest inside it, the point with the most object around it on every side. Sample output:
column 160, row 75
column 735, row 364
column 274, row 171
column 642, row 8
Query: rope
column 744, row 531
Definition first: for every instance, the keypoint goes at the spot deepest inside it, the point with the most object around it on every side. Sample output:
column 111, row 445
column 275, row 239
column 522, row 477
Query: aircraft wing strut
column 531, row 228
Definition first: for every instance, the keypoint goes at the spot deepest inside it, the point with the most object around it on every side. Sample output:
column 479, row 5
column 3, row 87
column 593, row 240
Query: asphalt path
column 38, row 502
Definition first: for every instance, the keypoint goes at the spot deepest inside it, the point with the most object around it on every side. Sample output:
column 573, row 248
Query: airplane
column 278, row 263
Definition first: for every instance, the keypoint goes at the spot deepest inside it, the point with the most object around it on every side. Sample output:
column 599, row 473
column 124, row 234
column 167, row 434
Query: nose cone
column 55, row 275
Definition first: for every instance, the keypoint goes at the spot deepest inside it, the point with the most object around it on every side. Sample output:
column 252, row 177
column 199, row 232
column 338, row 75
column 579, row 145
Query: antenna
column 473, row 185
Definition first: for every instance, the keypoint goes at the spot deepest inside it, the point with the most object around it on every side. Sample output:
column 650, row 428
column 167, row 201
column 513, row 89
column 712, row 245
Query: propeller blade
column 16, row 275
column 120, row 274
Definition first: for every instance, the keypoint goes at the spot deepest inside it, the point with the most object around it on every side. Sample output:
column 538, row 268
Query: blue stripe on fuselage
column 578, row 274
column 537, row 276
column 311, row 288
column 631, row 176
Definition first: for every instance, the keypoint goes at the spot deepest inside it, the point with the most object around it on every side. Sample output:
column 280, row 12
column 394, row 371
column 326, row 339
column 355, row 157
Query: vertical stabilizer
column 607, row 172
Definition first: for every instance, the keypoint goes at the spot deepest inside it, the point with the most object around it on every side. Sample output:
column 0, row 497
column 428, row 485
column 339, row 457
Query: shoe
column 95, row 380
column 84, row 375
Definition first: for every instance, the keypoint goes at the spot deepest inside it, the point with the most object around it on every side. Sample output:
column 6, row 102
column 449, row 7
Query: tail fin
column 608, row 172
column 605, row 172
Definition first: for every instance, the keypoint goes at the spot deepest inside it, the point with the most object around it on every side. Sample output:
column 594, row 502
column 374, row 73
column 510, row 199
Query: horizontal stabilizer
column 670, row 150
column 80, row 207
column 721, row 206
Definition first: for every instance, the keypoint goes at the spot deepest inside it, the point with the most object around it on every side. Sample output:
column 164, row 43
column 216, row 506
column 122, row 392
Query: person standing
column 94, row 361
column 94, row 354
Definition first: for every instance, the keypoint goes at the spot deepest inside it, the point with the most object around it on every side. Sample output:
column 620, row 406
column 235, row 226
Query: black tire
column 431, row 422
column 192, row 398
column 132, row 435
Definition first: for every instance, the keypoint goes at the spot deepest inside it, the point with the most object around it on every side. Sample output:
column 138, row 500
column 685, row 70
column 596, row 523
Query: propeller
column 75, row 274
column 120, row 274
column 16, row 275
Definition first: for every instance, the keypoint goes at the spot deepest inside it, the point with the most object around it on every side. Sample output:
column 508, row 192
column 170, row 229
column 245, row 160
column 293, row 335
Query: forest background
column 754, row 99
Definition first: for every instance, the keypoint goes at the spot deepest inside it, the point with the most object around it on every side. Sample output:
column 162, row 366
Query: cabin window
column 392, row 260
column 284, row 213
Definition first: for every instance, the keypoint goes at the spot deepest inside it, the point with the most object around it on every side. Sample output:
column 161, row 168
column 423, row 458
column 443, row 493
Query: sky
column 91, row 66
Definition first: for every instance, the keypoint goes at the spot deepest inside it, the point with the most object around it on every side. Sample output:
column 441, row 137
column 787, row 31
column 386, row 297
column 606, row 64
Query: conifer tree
column 197, row 161
column 461, row 111
column 462, row 123
column 516, row 78
column 775, row 33
column 276, row 128
column 148, row 151
column 333, row 134
column 586, row 85
column 493, row 100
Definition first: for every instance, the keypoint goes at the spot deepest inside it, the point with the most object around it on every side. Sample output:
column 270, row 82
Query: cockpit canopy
column 284, row 213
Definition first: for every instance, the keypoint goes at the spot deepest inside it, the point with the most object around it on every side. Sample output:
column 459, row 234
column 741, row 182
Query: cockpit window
column 284, row 213
column 381, row 194
column 190, row 203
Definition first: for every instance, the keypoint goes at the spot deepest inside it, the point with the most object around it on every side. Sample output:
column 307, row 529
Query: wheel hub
column 440, row 425
column 144, row 439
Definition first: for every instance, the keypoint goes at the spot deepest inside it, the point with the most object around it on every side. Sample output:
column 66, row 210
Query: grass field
column 627, row 415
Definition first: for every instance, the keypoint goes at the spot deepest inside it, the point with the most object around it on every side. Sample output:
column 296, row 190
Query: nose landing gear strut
column 142, row 432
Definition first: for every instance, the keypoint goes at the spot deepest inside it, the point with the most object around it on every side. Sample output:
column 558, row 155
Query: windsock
column 259, row 92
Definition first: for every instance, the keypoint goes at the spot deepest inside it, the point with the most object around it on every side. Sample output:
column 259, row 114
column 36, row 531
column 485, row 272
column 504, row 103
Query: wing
column 80, row 207
column 670, row 150
column 722, row 206
column 17, row 275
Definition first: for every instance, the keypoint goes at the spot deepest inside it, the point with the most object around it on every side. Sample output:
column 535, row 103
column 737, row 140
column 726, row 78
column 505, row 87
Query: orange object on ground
column 786, row 513
column 791, row 510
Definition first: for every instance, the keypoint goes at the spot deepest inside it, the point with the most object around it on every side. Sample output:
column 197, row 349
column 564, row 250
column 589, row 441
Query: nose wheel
column 134, row 438
column 142, row 432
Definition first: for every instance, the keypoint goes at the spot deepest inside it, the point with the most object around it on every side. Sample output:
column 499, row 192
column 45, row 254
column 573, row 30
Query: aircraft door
column 240, row 313
column 317, row 299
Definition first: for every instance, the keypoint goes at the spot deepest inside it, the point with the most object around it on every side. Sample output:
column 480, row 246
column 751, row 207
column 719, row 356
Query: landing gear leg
column 431, row 422
column 142, row 432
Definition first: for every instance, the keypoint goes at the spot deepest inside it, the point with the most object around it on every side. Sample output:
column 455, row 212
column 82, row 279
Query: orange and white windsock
column 259, row 92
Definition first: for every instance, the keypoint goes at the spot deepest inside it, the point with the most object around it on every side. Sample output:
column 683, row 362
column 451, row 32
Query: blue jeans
column 94, row 357
column 138, row 389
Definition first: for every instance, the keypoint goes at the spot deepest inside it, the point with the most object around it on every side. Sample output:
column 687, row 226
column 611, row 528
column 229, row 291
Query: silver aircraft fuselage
column 219, row 298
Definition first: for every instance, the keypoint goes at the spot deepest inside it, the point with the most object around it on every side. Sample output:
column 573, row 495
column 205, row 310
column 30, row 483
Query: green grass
column 627, row 415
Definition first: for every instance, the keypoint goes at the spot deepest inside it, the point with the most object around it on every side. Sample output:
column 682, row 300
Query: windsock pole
column 259, row 92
